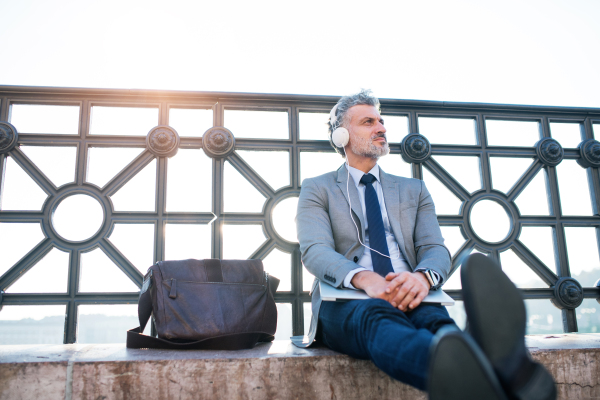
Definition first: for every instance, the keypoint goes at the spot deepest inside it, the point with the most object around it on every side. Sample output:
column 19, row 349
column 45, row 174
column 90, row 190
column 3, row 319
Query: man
column 361, row 228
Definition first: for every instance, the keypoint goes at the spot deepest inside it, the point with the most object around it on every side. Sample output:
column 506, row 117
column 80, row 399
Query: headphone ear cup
column 340, row 137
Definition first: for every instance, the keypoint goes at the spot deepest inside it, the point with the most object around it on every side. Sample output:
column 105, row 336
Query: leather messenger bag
column 206, row 304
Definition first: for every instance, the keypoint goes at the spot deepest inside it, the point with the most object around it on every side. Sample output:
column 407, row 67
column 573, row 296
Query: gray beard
column 366, row 148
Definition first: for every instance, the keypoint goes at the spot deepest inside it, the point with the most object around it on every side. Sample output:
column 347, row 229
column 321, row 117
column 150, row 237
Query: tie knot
column 367, row 178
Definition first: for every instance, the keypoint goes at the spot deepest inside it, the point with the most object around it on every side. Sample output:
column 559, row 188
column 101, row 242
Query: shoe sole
column 497, row 320
column 459, row 370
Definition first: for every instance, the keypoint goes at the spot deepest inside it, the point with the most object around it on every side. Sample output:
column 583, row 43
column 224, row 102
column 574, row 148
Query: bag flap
column 214, row 270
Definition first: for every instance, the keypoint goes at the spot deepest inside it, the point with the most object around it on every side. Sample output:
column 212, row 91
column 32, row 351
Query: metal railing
column 221, row 144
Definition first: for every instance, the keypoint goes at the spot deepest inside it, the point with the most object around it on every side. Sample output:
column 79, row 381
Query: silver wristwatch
column 431, row 277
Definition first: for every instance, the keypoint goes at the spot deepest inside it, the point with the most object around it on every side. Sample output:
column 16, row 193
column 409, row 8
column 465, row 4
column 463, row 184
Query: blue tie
column 382, row 265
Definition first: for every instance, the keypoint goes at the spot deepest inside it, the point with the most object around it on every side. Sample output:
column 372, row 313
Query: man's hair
column 343, row 105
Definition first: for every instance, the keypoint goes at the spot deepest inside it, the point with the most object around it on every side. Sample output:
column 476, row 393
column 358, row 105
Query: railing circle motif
column 77, row 217
column 484, row 214
column 54, row 202
column 275, row 230
column 284, row 220
column 509, row 208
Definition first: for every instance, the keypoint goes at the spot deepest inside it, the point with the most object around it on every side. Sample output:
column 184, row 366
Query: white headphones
column 340, row 135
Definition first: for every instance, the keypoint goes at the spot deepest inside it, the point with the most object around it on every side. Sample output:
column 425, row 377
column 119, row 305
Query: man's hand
column 408, row 289
column 403, row 290
column 373, row 284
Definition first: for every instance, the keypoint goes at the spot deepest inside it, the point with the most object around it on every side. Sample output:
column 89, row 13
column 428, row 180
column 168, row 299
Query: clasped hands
column 404, row 290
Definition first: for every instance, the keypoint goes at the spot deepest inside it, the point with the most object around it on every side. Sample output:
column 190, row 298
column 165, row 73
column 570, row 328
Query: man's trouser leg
column 396, row 342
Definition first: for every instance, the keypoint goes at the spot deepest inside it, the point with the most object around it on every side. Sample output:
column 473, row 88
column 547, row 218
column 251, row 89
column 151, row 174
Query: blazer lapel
column 342, row 183
column 391, row 194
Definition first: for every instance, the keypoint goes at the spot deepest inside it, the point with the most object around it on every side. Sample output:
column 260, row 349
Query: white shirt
column 365, row 263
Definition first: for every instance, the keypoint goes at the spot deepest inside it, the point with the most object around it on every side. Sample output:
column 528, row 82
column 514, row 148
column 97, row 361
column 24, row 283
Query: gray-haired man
column 361, row 228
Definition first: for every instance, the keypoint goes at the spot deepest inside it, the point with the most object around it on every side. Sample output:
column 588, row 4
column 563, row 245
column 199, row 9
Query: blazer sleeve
column 429, row 243
column 315, row 235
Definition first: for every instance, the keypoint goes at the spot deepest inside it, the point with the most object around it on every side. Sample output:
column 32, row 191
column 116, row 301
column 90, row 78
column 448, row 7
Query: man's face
column 367, row 133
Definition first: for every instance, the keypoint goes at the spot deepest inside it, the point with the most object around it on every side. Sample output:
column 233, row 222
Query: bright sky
column 520, row 52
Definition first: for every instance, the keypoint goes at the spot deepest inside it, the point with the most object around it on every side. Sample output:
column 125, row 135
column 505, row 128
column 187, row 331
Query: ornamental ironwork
column 218, row 142
column 228, row 153
column 590, row 153
column 415, row 148
column 8, row 137
column 163, row 141
column 549, row 151
column 568, row 293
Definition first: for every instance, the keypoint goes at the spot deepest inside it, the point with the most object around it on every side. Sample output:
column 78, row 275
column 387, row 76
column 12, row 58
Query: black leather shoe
column 458, row 369
column 497, row 321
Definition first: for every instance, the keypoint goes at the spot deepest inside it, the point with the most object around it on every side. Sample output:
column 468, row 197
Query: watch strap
column 432, row 278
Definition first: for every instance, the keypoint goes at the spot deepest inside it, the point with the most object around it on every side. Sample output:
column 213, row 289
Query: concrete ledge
column 276, row 370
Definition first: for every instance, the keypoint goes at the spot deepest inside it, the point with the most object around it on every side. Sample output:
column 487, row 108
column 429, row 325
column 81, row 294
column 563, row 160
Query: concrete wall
column 269, row 371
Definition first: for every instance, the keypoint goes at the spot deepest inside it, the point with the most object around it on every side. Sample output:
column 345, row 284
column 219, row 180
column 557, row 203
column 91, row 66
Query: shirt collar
column 357, row 174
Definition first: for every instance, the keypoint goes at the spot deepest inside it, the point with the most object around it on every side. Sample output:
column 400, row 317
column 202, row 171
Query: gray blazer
column 328, row 239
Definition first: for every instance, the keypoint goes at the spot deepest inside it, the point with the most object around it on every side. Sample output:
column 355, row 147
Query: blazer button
column 355, row 258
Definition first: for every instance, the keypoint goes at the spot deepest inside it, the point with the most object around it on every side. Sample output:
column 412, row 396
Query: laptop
column 329, row 293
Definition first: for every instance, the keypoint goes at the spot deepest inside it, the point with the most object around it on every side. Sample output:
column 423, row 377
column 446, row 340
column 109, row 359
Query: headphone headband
column 332, row 116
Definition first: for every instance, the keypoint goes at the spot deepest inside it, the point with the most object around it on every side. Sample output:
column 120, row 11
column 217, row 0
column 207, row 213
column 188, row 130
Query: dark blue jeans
column 396, row 342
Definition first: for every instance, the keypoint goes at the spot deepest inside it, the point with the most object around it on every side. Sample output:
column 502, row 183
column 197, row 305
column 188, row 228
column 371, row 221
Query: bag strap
column 137, row 340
